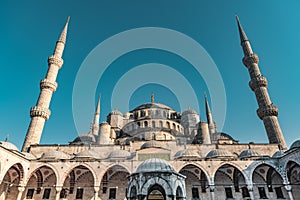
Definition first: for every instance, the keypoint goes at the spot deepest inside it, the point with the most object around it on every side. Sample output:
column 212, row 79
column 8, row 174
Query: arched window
column 139, row 124
column 153, row 124
column 145, row 124
column 168, row 125
column 161, row 124
column 174, row 126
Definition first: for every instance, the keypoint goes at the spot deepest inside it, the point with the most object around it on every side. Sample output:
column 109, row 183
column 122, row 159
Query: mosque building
column 151, row 152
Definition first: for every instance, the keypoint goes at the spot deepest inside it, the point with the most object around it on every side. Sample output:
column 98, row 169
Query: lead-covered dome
column 151, row 144
column 296, row 144
column 54, row 155
column 249, row 153
column 220, row 153
column 189, row 111
column 87, row 154
column 9, row 146
column 186, row 154
column 152, row 105
column 154, row 165
column 278, row 154
column 119, row 153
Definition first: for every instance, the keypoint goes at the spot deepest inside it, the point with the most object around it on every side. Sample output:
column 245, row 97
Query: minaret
column 210, row 122
column 266, row 111
column 40, row 113
column 95, row 124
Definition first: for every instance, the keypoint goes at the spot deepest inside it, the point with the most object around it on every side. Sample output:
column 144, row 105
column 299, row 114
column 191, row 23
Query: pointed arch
column 293, row 175
column 13, row 177
column 114, row 182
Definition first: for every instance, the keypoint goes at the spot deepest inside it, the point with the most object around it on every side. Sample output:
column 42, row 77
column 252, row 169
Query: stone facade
column 151, row 152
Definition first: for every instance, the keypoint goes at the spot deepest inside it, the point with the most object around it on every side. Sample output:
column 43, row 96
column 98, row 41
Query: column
column 20, row 193
column 250, row 189
column 212, row 192
column 58, row 190
column 96, row 192
column 288, row 188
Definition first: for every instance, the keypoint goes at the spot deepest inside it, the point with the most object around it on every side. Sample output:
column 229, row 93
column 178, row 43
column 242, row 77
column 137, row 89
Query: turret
column 40, row 113
column 266, row 111
column 105, row 134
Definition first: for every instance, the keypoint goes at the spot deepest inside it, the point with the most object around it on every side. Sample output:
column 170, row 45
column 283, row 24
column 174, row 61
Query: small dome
column 219, row 153
column 115, row 112
column 150, row 144
column 119, row 153
column 154, row 165
column 54, row 155
column 249, row 153
column 29, row 156
column 278, row 154
column 186, row 154
column 9, row 146
column 296, row 144
column 89, row 153
column 189, row 111
column 86, row 138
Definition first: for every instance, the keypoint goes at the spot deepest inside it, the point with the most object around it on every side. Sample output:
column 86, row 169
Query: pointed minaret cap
column 98, row 105
column 243, row 35
column 63, row 34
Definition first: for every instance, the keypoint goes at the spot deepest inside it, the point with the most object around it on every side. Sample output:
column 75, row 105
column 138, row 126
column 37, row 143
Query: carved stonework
column 36, row 111
column 258, row 82
column 248, row 60
column 269, row 110
column 55, row 61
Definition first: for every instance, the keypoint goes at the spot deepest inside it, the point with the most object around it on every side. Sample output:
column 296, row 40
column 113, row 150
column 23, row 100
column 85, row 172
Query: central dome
column 152, row 105
column 154, row 165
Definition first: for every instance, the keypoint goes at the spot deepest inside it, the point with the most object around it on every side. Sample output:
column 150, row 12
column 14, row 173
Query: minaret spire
column 266, row 111
column 95, row 124
column 210, row 122
column 40, row 113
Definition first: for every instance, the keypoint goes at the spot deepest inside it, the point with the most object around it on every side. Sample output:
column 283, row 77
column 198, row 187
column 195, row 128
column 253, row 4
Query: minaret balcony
column 37, row 111
column 269, row 110
column 46, row 84
column 258, row 82
column 55, row 61
column 248, row 60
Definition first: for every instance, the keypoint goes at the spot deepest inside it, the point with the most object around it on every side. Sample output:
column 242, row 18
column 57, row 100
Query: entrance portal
column 156, row 192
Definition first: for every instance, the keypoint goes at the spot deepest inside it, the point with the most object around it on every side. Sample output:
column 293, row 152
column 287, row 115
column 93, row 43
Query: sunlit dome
column 187, row 154
column 220, row 153
column 154, row 165
column 9, row 146
column 119, row 153
column 89, row 153
column 249, row 153
column 152, row 105
column 151, row 144
column 54, row 155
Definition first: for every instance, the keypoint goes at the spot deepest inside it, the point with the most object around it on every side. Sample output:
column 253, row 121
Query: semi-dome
column 187, row 154
column 151, row 144
column 220, row 153
column 296, row 144
column 154, row 165
column 88, row 154
column 278, row 154
column 249, row 153
column 9, row 146
column 152, row 105
column 54, row 155
column 119, row 153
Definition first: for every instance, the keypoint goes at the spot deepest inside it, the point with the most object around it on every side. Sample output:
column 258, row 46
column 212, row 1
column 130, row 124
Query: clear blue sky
column 30, row 29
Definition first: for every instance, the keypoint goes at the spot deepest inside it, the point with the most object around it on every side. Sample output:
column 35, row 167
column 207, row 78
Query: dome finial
column 152, row 97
